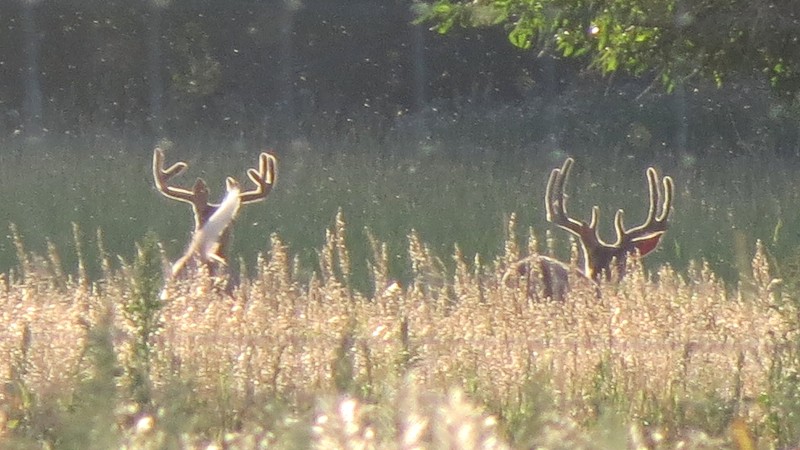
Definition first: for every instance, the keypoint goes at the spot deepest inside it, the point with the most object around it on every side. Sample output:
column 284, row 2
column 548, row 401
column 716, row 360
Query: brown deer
column 600, row 259
column 212, row 222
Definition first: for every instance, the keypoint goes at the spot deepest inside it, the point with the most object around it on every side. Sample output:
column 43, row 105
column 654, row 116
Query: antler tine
column 173, row 170
column 655, row 222
column 595, row 217
column 548, row 195
column 652, row 186
column 263, row 178
column 669, row 191
column 556, row 205
column 653, row 195
column 162, row 176
column 555, row 202
column 619, row 227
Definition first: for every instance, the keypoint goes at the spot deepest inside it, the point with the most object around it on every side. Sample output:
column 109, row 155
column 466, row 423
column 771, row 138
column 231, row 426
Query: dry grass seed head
column 378, row 265
column 510, row 246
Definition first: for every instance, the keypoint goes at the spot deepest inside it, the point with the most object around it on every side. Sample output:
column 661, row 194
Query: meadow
column 370, row 312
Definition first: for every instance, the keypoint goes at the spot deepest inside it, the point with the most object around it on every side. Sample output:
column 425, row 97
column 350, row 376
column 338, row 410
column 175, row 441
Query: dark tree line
column 269, row 70
column 143, row 68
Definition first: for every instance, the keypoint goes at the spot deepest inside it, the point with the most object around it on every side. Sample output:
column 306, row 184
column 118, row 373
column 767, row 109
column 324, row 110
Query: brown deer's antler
column 597, row 254
column 264, row 179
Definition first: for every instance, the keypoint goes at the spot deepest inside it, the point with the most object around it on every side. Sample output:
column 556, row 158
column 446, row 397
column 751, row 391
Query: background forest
column 414, row 141
column 271, row 71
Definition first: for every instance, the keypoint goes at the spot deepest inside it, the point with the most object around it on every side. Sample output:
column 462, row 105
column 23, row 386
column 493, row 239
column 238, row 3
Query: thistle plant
column 142, row 310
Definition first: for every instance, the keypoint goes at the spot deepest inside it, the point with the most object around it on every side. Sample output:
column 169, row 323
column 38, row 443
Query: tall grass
column 444, row 361
column 385, row 325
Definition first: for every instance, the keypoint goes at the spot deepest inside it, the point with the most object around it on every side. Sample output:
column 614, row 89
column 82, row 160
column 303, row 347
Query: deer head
column 550, row 278
column 211, row 234
column 597, row 254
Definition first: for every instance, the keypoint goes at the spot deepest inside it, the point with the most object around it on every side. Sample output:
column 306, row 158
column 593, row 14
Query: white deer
column 212, row 222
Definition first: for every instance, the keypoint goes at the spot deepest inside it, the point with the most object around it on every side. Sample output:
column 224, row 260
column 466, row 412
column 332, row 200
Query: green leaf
column 443, row 9
column 580, row 52
column 446, row 26
column 521, row 36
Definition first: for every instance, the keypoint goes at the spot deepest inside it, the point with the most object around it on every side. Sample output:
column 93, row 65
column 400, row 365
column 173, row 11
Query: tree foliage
column 673, row 39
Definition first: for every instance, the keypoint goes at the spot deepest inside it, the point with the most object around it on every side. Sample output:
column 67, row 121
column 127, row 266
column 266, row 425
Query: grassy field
column 723, row 204
column 321, row 348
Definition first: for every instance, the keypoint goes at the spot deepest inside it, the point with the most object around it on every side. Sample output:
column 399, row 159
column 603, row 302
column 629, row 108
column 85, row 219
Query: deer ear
column 647, row 243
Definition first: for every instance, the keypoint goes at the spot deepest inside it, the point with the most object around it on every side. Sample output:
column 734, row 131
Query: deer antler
column 598, row 254
column 556, row 207
column 197, row 195
column 646, row 236
column 264, row 179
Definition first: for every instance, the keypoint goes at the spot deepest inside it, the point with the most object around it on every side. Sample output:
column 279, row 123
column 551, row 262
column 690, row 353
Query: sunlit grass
column 443, row 361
